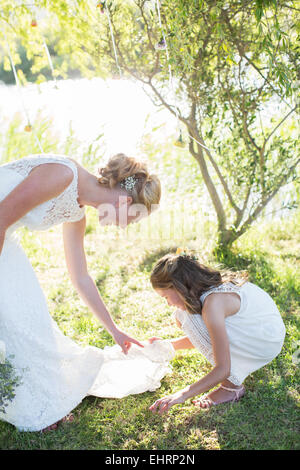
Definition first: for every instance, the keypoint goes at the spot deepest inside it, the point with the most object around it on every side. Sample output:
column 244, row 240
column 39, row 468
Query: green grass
column 266, row 418
column 120, row 262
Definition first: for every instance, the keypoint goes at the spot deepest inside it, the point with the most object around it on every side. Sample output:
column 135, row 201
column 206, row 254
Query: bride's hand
column 2, row 236
column 125, row 341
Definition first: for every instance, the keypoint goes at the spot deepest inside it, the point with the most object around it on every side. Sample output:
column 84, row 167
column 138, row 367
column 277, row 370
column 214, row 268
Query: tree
column 225, row 66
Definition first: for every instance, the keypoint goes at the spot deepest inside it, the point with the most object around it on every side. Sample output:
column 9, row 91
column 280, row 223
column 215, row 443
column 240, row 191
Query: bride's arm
column 2, row 236
column 73, row 234
column 43, row 183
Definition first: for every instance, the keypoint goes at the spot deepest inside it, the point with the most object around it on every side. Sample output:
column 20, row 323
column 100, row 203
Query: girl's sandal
column 239, row 393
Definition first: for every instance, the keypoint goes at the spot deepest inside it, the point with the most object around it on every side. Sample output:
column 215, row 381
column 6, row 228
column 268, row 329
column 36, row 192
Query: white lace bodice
column 194, row 325
column 63, row 208
column 227, row 287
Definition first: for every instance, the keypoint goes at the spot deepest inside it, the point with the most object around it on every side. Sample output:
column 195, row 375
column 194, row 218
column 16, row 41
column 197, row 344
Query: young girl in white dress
column 56, row 373
column 234, row 324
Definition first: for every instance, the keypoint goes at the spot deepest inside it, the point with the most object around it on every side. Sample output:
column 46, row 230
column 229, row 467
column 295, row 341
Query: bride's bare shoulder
column 76, row 162
column 80, row 168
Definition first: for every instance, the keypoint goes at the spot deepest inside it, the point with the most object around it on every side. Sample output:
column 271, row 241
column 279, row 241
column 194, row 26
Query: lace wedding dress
column 56, row 372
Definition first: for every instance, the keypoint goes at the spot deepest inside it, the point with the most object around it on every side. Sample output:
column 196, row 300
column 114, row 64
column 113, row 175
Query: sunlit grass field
column 120, row 262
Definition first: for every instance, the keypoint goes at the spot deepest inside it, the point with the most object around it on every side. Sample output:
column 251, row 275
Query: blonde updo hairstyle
column 189, row 278
column 147, row 189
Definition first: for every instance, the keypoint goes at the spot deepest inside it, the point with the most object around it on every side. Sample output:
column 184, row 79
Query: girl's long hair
column 190, row 278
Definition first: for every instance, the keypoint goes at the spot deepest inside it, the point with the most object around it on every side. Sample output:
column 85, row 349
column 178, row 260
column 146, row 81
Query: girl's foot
column 220, row 395
column 67, row 419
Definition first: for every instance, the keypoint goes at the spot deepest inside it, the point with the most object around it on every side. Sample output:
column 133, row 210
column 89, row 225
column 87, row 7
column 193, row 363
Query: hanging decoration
column 179, row 142
column 101, row 6
column 161, row 45
column 34, row 24
column 28, row 127
column 50, row 63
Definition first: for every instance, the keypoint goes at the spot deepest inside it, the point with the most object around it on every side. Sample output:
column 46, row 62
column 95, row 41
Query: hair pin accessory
column 129, row 183
column 183, row 252
column 161, row 45
column 101, row 6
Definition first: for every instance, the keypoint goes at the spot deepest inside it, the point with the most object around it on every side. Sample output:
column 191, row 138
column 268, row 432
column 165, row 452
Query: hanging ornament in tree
column 161, row 45
column 179, row 142
column 101, row 5
column 33, row 23
column 28, row 128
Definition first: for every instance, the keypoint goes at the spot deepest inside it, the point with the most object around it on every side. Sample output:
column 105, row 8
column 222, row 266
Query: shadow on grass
column 126, row 424
column 265, row 418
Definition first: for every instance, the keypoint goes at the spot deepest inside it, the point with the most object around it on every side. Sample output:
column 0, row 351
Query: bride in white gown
column 38, row 192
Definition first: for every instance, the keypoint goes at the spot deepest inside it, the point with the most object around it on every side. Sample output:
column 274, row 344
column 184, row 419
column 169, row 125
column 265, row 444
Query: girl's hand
column 125, row 341
column 154, row 338
column 164, row 404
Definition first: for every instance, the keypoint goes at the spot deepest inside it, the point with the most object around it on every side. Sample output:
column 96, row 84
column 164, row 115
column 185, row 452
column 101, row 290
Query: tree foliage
column 229, row 75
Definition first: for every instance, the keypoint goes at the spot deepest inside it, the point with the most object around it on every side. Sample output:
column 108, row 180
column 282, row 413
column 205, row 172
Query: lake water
column 118, row 108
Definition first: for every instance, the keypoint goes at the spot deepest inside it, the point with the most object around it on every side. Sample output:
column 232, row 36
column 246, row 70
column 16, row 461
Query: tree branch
column 279, row 124
column 168, row 106
column 221, row 216
column 149, row 31
column 263, row 204
column 242, row 54
column 222, row 180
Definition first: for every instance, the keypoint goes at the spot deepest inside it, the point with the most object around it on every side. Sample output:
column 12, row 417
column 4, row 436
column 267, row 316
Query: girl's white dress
column 255, row 333
column 56, row 372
